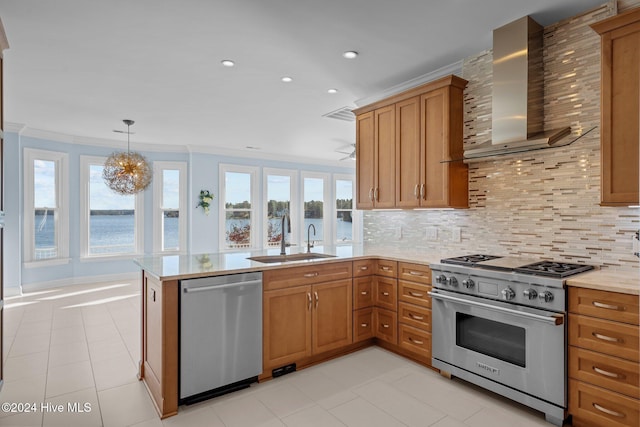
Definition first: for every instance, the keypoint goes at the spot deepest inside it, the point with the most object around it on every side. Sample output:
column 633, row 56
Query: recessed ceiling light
column 350, row 54
column 227, row 63
column 332, row 90
column 287, row 79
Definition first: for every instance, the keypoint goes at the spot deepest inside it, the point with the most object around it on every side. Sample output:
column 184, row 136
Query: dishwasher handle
column 217, row 287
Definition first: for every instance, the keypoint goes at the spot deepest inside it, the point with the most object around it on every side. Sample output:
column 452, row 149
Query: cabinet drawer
column 363, row 324
column 386, row 268
column 595, row 406
column 386, row 293
column 605, row 305
column 414, row 293
column 414, row 340
column 305, row 275
column 604, row 336
column 362, row 292
column 610, row 372
column 414, row 272
column 415, row 316
column 363, row 267
column 386, row 325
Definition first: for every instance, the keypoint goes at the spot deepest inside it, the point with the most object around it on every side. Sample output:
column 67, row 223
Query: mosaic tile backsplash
column 542, row 204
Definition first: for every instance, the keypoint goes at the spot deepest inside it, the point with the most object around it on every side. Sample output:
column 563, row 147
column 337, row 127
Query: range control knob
column 452, row 281
column 530, row 293
column 545, row 296
column 508, row 294
column 468, row 283
column 441, row 279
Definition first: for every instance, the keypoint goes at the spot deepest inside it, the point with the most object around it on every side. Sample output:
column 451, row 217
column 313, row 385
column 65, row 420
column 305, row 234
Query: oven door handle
column 555, row 319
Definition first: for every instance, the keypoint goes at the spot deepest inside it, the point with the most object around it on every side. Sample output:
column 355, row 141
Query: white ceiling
column 78, row 67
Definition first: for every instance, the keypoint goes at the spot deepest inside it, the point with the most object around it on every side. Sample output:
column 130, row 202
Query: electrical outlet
column 399, row 232
column 432, row 234
column 455, row 234
column 636, row 243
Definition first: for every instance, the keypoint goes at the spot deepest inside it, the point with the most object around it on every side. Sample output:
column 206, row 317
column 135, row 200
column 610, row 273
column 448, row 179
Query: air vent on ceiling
column 343, row 113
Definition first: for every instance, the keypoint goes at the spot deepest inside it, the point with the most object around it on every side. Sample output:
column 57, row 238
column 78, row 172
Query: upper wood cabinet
column 375, row 145
column 620, row 94
column 416, row 158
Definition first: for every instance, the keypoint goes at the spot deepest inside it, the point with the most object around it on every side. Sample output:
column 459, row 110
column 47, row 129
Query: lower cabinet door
column 386, row 325
column 332, row 315
column 363, row 324
column 597, row 407
column 286, row 326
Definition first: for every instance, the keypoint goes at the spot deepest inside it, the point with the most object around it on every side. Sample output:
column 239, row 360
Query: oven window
column 495, row 339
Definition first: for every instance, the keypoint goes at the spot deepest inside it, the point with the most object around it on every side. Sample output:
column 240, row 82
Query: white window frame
column 158, row 206
column 85, row 163
column 294, row 205
column 61, row 161
column 356, row 215
column 256, row 231
column 327, row 227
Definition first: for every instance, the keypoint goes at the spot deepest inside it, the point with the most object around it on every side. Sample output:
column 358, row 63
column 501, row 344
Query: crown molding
column 455, row 68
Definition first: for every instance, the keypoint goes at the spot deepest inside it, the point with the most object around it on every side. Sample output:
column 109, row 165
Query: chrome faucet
column 309, row 244
column 283, row 241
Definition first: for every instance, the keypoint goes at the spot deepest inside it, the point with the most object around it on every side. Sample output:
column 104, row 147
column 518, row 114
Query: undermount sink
column 291, row 257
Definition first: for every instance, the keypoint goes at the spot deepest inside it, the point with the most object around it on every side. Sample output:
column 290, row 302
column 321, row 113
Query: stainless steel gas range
column 500, row 323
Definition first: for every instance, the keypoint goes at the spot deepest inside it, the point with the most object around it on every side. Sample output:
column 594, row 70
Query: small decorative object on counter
column 204, row 261
column 205, row 200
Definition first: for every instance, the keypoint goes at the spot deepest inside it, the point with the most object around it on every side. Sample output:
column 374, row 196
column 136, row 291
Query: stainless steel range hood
column 518, row 92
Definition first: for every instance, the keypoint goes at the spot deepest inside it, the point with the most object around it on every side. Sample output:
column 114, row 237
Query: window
column 346, row 218
column 46, row 220
column 170, row 206
column 314, row 187
column 238, row 203
column 112, row 224
column 280, row 189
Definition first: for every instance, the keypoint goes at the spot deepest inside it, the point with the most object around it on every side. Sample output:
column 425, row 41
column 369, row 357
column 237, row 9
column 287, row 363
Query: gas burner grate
column 469, row 260
column 553, row 269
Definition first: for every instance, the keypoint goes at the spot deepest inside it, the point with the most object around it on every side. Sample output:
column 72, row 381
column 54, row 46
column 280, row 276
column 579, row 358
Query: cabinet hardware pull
column 423, row 191
column 416, row 341
column 607, row 373
column 608, row 411
column 371, row 194
column 416, row 294
column 309, row 297
column 364, row 325
column 415, row 191
column 364, row 293
column 385, row 268
column 607, row 306
column 415, row 273
column 364, row 268
column 386, row 294
column 384, row 325
column 376, row 194
column 413, row 316
column 153, row 295
column 606, row 338
column 317, row 299
column 314, row 274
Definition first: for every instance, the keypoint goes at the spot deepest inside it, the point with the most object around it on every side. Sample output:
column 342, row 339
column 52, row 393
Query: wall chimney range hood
column 518, row 93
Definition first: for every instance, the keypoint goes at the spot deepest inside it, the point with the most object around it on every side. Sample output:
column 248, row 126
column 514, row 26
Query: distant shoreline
column 109, row 212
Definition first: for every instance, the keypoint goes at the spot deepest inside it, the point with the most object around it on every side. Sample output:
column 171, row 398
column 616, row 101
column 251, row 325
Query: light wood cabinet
column 620, row 109
column 301, row 319
column 159, row 347
column 603, row 358
column 428, row 170
column 375, row 147
column 414, row 309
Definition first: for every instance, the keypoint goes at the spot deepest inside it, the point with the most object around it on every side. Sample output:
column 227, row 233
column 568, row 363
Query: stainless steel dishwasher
column 220, row 334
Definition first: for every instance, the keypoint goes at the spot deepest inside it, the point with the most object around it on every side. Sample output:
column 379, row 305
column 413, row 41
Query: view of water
column 344, row 230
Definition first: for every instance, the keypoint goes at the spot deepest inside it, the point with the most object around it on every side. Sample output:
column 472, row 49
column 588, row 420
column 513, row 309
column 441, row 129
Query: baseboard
column 85, row 280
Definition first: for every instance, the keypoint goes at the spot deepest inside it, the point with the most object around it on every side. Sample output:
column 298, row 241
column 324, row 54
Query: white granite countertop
column 608, row 280
column 177, row 267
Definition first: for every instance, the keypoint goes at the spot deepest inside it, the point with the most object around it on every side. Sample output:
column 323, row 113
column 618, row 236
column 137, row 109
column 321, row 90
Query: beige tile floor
column 80, row 345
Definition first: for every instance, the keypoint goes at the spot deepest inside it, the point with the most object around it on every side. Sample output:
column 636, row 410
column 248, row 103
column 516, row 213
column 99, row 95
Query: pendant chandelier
column 127, row 172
